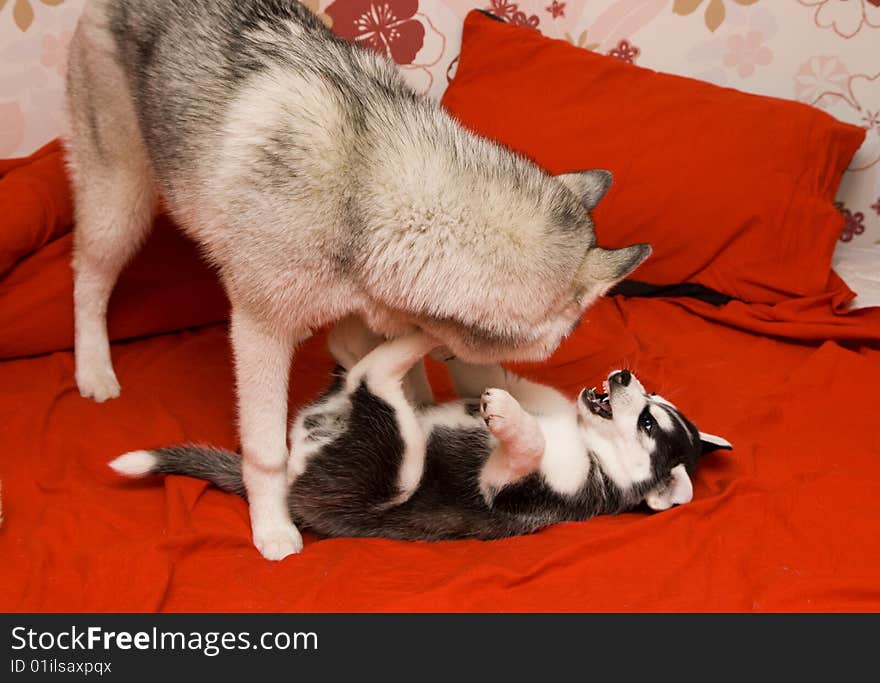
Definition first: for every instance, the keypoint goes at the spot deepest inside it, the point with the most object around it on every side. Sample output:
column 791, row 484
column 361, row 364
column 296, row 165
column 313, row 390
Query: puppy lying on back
column 504, row 460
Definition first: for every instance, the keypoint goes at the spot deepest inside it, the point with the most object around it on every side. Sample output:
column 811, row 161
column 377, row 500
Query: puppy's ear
column 710, row 442
column 588, row 186
column 677, row 491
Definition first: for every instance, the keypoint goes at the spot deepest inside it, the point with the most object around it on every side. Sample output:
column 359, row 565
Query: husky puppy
column 505, row 460
column 319, row 184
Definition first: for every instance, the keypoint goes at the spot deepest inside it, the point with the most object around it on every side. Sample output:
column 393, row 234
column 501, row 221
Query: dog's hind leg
column 385, row 370
column 262, row 367
column 114, row 195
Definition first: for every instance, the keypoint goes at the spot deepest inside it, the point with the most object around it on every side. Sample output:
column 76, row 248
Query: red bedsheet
column 787, row 521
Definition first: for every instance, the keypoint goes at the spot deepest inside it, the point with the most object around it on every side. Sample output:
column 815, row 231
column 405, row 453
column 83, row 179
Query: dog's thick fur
column 319, row 185
column 506, row 460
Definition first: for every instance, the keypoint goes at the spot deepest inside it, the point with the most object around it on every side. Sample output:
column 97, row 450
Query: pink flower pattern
column 509, row 11
column 54, row 55
column 625, row 52
column 820, row 76
column 556, row 9
column 825, row 82
column 386, row 26
column 865, row 94
column 845, row 17
column 522, row 19
column 11, row 128
column 853, row 223
column 747, row 51
column 503, row 9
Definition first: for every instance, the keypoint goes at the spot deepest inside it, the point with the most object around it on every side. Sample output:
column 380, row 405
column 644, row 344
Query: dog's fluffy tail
column 221, row 468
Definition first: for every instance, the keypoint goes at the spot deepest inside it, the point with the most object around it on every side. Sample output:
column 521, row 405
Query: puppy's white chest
column 565, row 465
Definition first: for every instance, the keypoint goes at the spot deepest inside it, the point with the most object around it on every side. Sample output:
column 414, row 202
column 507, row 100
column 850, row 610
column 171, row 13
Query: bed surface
column 786, row 521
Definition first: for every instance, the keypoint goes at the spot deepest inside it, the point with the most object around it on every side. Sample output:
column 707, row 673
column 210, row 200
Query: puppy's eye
column 647, row 422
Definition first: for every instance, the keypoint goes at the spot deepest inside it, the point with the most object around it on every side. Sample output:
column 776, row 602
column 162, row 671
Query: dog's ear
column 604, row 268
column 710, row 442
column 677, row 491
column 588, row 186
column 612, row 265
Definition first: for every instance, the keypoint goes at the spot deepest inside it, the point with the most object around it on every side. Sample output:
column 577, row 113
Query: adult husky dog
column 319, row 185
column 510, row 458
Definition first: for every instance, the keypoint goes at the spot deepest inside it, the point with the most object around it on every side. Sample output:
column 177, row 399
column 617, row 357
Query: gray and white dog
column 319, row 185
column 509, row 458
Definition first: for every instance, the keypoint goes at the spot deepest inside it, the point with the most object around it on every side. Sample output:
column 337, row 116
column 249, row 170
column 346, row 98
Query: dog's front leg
column 262, row 365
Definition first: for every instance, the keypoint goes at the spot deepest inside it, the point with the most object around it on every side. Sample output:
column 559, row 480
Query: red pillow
column 734, row 191
column 35, row 205
column 166, row 287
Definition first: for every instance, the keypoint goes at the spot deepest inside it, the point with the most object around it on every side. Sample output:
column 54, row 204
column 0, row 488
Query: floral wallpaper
column 825, row 53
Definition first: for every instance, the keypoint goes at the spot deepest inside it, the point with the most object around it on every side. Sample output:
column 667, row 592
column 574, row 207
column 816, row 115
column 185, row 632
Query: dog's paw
column 97, row 381
column 501, row 411
column 277, row 541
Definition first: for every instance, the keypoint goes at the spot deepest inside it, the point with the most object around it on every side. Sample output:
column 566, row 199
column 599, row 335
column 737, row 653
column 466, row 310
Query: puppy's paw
column 277, row 541
column 97, row 381
column 501, row 411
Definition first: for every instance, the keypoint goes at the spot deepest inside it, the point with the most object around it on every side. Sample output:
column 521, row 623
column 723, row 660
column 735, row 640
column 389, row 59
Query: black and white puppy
column 368, row 460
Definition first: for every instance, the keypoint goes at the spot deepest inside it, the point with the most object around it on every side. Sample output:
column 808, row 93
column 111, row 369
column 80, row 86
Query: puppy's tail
column 221, row 468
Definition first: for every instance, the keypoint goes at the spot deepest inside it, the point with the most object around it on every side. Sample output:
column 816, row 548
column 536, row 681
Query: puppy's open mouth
column 598, row 403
